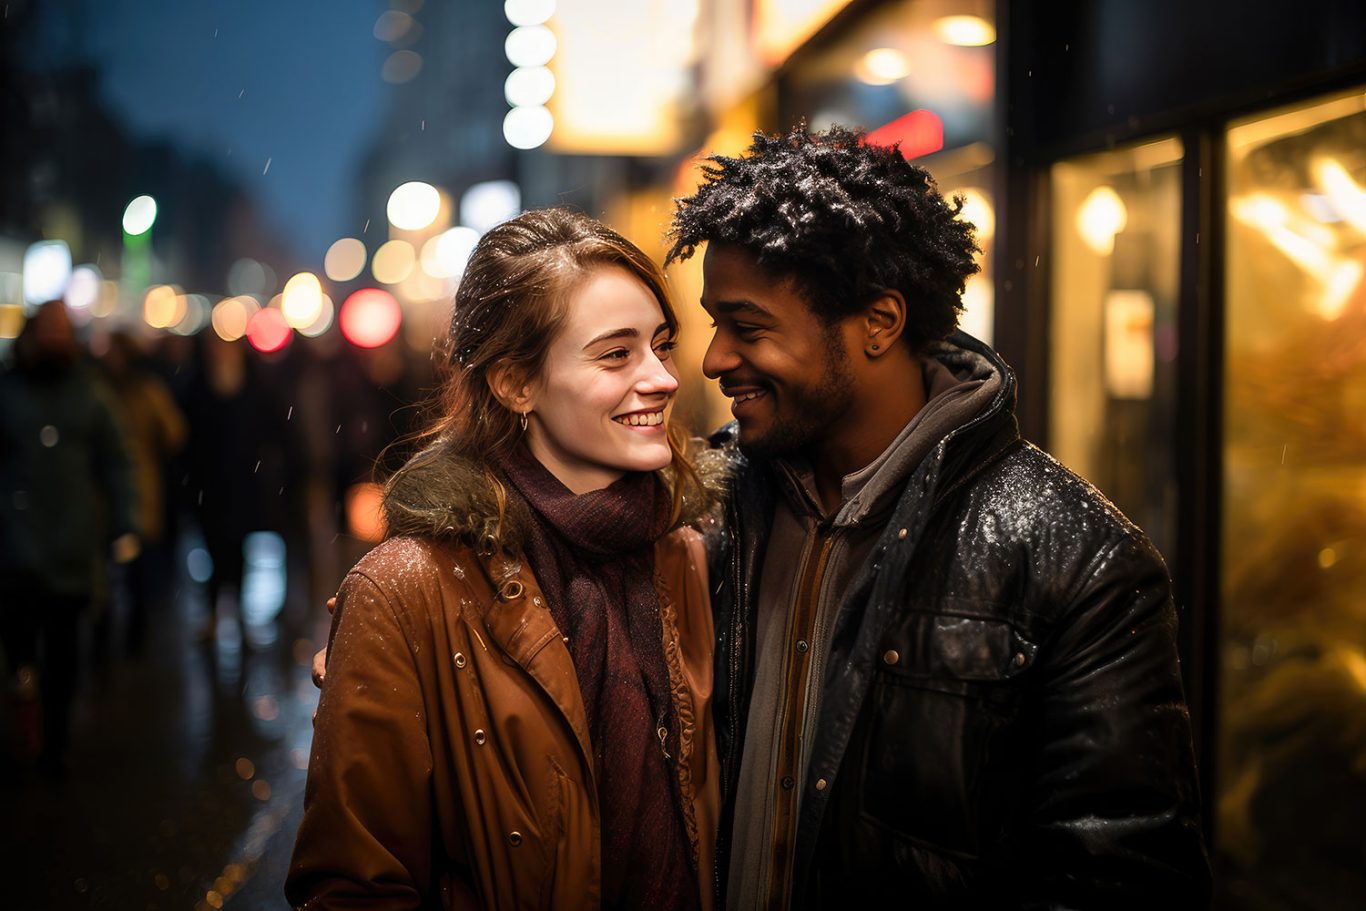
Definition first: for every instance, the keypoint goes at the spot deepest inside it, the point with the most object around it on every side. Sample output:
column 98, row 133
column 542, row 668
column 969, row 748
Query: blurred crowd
column 140, row 475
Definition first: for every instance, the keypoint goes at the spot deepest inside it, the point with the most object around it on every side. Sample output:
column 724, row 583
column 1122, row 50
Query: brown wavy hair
column 512, row 300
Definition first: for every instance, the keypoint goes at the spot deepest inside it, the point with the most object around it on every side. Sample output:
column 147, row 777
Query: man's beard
column 810, row 411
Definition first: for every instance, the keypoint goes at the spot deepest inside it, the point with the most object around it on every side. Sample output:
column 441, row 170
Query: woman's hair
column 512, row 301
column 842, row 218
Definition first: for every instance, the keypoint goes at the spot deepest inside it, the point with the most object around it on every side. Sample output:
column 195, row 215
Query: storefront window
column 1292, row 739
column 1115, row 276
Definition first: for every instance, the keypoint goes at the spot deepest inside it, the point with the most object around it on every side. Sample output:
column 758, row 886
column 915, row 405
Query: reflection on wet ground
column 185, row 781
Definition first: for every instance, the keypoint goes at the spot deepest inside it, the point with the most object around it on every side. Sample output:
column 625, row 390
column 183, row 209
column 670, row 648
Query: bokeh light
column 393, row 262
column 529, row 86
column 163, row 306
column 401, row 67
column 196, row 315
column 445, row 255
column 108, row 300
column 530, row 45
column 392, row 25
column 47, row 270
column 528, row 127
column 83, row 291
column 248, row 276
column 301, row 302
column 964, row 31
column 882, row 66
column 139, row 216
column 370, row 318
column 978, row 212
column 231, row 315
column 326, row 314
column 267, row 330
column 344, row 260
column 528, row 12
column 413, row 206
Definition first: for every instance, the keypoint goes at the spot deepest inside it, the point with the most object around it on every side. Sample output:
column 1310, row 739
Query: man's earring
column 874, row 346
column 521, row 419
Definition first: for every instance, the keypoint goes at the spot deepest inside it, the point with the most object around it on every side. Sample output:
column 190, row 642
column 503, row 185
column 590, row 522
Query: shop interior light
column 445, row 255
column 964, row 31
column 528, row 127
column 1344, row 194
column 83, row 291
column 530, row 45
column 163, row 306
column 528, row 86
column 977, row 211
column 490, row 203
column 139, row 216
column 882, row 66
column 1306, row 244
column 230, row 316
column 528, row 12
column 413, row 205
column 1102, row 215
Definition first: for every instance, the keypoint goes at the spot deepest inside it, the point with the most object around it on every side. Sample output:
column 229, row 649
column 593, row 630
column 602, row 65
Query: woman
column 516, row 711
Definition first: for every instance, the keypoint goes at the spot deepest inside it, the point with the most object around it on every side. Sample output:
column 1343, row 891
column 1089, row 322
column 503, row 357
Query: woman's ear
column 509, row 386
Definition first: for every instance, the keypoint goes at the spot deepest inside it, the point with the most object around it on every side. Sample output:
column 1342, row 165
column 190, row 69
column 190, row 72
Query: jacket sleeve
column 1114, row 801
column 366, row 836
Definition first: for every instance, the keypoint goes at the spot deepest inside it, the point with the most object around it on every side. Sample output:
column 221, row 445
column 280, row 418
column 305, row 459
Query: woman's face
column 601, row 407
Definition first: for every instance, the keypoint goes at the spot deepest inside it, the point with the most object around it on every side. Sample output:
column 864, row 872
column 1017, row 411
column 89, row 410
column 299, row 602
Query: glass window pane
column 1115, row 277
column 1291, row 779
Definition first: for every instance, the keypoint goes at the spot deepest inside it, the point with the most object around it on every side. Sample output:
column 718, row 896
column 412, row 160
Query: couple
column 865, row 647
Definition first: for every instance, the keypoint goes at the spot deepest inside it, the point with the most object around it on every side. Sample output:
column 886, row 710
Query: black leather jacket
column 1030, row 747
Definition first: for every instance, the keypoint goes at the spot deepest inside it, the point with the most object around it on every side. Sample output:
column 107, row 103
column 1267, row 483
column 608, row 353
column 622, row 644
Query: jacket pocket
column 941, row 712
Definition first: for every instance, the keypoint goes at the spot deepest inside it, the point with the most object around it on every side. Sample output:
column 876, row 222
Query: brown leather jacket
column 451, row 765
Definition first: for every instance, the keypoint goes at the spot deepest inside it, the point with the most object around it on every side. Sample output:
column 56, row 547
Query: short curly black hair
column 841, row 218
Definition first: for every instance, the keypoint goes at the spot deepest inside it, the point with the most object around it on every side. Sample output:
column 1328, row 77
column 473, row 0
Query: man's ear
column 884, row 319
column 510, row 387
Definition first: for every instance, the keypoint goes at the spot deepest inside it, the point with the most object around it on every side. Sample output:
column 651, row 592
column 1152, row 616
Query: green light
column 139, row 216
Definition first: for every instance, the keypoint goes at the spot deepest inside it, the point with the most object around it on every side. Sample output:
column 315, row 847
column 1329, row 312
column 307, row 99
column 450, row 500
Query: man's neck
column 880, row 411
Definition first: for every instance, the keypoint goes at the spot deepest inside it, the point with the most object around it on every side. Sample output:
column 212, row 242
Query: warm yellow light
column 978, row 212
column 1100, row 218
column 163, row 306
column 11, row 320
column 882, row 66
column 393, row 261
column 108, row 300
column 301, row 302
column 964, row 31
column 1305, row 243
column 1344, row 194
column 413, row 206
column 979, row 308
column 326, row 314
column 230, row 316
column 344, row 260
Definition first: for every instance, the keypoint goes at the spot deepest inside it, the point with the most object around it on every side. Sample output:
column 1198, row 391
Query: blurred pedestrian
column 156, row 434
column 66, row 492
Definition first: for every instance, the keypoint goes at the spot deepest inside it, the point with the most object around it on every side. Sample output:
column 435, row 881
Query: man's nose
column 720, row 358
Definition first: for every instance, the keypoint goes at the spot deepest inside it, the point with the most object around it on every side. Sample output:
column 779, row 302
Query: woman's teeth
column 651, row 419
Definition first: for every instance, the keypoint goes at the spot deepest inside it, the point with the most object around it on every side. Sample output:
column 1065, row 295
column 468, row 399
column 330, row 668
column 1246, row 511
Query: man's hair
column 843, row 219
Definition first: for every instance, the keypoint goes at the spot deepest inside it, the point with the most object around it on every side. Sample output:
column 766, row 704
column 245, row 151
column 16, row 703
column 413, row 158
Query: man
column 63, row 466
column 947, row 671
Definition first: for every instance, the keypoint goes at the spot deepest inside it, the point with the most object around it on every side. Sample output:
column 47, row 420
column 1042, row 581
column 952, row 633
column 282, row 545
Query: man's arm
column 1114, row 808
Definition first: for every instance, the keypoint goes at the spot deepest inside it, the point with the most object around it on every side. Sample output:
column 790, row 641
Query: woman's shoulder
column 413, row 571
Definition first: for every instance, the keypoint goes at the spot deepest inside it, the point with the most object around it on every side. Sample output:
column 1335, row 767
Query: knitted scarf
column 593, row 556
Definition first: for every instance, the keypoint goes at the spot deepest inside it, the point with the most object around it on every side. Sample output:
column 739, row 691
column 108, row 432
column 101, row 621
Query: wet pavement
column 185, row 780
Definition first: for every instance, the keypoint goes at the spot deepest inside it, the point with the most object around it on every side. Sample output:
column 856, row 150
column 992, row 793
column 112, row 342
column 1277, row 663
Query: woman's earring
column 521, row 419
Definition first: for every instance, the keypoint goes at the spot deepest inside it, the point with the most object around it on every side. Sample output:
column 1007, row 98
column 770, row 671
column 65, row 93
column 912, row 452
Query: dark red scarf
column 593, row 556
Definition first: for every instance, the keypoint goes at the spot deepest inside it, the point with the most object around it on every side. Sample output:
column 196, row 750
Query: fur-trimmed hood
column 440, row 493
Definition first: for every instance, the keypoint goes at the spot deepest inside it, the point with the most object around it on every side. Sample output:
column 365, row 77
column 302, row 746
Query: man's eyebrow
column 746, row 307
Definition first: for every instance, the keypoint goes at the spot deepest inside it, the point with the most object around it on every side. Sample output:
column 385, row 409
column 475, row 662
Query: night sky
column 243, row 82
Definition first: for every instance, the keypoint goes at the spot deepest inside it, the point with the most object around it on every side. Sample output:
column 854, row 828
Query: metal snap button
column 821, row 784
column 788, row 783
column 891, row 656
column 511, row 589
column 1020, row 659
column 514, row 838
column 901, row 535
column 480, row 736
column 459, row 659
column 802, row 646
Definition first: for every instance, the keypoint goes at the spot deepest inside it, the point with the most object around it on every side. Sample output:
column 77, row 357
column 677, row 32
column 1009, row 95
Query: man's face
column 785, row 369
